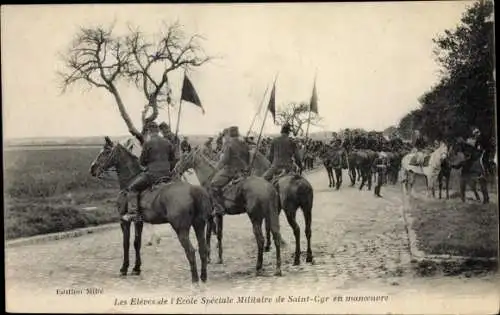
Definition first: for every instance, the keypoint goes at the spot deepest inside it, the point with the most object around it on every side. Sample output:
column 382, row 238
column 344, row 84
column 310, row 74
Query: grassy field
column 456, row 228
column 46, row 190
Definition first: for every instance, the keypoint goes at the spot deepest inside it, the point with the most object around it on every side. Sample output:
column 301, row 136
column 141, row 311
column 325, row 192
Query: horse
column 434, row 161
column 294, row 192
column 334, row 161
column 251, row 195
column 472, row 172
column 361, row 161
column 179, row 203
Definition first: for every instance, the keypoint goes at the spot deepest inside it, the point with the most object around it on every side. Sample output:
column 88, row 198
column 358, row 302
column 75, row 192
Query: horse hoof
column 267, row 249
column 149, row 244
column 278, row 273
column 309, row 259
column 296, row 262
column 220, row 262
column 203, row 278
column 135, row 273
column 123, row 273
column 259, row 273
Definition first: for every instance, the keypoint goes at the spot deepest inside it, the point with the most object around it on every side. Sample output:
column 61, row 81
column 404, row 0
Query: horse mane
column 129, row 154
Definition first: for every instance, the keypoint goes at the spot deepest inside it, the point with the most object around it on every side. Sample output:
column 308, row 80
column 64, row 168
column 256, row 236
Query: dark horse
column 362, row 161
column 334, row 160
column 252, row 195
column 179, row 203
column 295, row 192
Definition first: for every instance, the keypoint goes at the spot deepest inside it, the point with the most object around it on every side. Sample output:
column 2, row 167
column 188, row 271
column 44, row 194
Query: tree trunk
column 123, row 112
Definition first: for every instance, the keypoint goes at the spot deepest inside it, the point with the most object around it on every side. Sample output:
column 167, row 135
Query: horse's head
column 106, row 158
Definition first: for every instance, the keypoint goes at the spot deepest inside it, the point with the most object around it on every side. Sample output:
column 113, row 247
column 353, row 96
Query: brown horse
column 252, row 195
column 179, row 203
column 295, row 192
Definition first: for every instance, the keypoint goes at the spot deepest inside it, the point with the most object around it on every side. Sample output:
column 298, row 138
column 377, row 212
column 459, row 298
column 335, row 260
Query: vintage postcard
column 250, row 158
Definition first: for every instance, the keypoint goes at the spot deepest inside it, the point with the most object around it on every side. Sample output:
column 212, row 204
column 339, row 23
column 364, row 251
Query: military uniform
column 185, row 146
column 281, row 154
column 157, row 156
column 235, row 160
column 380, row 165
column 207, row 148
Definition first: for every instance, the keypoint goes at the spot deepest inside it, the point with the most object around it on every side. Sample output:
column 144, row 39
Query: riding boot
column 133, row 212
column 218, row 201
column 377, row 191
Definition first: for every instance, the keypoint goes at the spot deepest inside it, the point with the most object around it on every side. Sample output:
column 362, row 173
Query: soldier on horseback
column 283, row 151
column 419, row 145
column 234, row 161
column 157, row 156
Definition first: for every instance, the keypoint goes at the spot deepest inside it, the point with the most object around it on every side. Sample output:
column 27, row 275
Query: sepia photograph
column 250, row 158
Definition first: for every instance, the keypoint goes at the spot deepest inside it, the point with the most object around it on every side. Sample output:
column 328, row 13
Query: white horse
column 430, row 171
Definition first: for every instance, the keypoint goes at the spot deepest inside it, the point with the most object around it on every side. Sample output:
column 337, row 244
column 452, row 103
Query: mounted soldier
column 234, row 162
column 282, row 153
column 419, row 144
column 185, row 146
column 157, row 158
column 207, row 148
column 174, row 140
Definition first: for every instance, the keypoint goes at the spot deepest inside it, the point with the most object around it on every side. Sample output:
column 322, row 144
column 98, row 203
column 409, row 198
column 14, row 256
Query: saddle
column 414, row 160
column 147, row 197
column 231, row 190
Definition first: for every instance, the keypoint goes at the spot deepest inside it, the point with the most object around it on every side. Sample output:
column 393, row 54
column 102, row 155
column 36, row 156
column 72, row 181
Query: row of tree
column 464, row 97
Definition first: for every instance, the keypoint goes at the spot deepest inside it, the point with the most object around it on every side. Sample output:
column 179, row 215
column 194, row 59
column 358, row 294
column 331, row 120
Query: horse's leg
column 483, row 184
column 463, row 183
column 440, row 183
column 307, row 211
column 137, row 246
column 339, row 178
column 183, row 235
column 220, row 229
column 473, row 186
column 290, row 217
column 199, row 229
column 208, row 235
column 447, row 185
column 370, row 177
column 259, row 237
column 125, row 225
column 267, row 225
column 332, row 178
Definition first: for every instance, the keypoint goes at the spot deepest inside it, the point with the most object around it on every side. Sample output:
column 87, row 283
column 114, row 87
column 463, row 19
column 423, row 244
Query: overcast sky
column 373, row 61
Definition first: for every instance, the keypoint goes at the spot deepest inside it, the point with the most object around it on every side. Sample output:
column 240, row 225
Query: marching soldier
column 235, row 160
column 282, row 152
column 157, row 156
column 380, row 166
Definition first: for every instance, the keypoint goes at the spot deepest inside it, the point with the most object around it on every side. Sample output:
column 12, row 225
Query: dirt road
column 360, row 244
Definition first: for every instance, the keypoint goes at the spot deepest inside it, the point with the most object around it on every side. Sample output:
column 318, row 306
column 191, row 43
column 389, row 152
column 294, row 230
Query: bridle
column 111, row 156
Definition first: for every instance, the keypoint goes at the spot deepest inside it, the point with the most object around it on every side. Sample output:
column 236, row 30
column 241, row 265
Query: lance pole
column 260, row 133
column 176, row 144
column 258, row 111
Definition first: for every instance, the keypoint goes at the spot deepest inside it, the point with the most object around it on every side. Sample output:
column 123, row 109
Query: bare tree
column 100, row 59
column 297, row 115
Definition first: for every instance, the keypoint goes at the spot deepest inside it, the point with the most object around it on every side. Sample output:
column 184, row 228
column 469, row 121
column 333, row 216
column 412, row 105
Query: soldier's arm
column 225, row 157
column 296, row 155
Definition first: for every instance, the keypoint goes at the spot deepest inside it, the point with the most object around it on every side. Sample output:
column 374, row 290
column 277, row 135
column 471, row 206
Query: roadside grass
column 46, row 190
column 451, row 227
column 23, row 219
